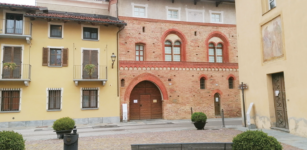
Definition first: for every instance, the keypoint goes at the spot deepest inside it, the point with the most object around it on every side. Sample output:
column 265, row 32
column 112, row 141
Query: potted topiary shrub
column 90, row 69
column 11, row 140
column 255, row 140
column 199, row 119
column 63, row 126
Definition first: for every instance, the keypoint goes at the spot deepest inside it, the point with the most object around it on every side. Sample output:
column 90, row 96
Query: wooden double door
column 280, row 100
column 145, row 102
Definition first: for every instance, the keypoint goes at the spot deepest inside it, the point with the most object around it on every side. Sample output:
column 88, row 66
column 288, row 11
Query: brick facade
column 179, row 82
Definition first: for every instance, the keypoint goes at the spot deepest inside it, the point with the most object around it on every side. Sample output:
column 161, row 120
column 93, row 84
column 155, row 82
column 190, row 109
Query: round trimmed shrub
column 255, row 140
column 199, row 117
column 11, row 140
column 64, row 123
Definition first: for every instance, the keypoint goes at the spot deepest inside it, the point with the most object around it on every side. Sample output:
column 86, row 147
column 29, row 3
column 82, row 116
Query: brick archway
column 146, row 77
column 183, row 42
column 231, row 75
column 225, row 44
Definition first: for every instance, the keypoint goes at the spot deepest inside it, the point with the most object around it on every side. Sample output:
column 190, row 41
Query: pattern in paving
column 124, row 141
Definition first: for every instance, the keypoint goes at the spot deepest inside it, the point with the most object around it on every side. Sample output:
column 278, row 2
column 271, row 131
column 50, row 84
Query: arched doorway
column 217, row 104
column 145, row 101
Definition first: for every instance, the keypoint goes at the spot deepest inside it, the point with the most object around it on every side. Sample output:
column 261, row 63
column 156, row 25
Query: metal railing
column 99, row 73
column 20, row 72
column 15, row 27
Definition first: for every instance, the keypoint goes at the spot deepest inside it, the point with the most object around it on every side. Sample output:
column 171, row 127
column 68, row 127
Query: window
column 89, row 98
column 56, row 31
column 272, row 4
column 14, row 23
column 55, row 57
column 10, row 100
column 54, row 99
column 202, row 83
column 267, row 5
column 139, row 52
column 90, row 33
column 216, row 17
column 12, row 54
column 172, row 52
column 230, row 82
column 139, row 11
column 90, row 58
column 173, row 13
column 216, row 53
column 122, row 82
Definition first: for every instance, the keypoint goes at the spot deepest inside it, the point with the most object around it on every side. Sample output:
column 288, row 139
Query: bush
column 64, row 123
column 255, row 140
column 199, row 117
column 11, row 140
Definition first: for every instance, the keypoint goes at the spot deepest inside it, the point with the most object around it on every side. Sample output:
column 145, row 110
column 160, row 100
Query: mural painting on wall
column 272, row 39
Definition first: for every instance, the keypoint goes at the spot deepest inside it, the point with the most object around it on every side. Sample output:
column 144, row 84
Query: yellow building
column 56, row 64
column 271, row 44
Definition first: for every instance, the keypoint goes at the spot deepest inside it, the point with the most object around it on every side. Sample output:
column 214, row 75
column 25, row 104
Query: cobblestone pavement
column 124, row 141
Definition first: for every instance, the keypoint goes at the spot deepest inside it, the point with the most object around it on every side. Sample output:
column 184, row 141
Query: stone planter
column 60, row 134
column 200, row 125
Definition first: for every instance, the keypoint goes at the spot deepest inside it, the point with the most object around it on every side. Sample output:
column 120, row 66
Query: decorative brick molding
column 203, row 76
column 146, row 77
column 231, row 75
column 217, row 91
column 225, row 44
column 183, row 42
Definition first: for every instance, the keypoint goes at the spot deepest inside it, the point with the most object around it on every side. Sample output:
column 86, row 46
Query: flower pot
column 200, row 125
column 60, row 134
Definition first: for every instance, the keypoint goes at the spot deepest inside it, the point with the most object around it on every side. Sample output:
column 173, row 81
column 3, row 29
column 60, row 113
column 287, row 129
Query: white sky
column 23, row 2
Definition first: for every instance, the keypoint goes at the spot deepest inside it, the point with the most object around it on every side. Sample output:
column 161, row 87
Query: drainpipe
column 120, row 29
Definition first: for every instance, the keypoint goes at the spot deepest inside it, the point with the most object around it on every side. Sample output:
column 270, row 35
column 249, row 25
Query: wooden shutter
column 7, row 57
column 15, row 100
column 86, row 60
column 45, row 56
column 17, row 59
column 94, row 60
column 5, row 101
column 65, row 57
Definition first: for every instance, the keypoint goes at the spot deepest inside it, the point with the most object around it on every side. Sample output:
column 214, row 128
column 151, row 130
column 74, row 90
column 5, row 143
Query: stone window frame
column 173, row 8
column 47, row 98
column 90, row 26
column 140, row 5
column 81, row 97
column 195, row 10
column 217, row 12
column 49, row 30
column 20, row 98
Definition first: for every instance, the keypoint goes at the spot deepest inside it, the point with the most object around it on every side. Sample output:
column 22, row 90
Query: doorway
column 217, row 104
column 280, row 104
column 145, row 102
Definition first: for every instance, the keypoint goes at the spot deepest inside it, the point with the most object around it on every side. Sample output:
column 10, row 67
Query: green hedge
column 64, row 123
column 10, row 140
column 255, row 140
column 199, row 117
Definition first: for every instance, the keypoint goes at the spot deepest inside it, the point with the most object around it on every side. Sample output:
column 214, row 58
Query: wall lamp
column 113, row 57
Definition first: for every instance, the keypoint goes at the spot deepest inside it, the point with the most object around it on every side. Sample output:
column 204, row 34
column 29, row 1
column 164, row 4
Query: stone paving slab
column 124, row 141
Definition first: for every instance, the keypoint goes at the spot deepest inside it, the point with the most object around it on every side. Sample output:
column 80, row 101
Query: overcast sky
column 24, row 2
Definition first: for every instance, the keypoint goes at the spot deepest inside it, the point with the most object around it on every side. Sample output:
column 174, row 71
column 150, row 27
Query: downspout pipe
column 120, row 29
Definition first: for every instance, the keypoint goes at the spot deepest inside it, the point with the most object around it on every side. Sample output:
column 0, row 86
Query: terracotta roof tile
column 75, row 18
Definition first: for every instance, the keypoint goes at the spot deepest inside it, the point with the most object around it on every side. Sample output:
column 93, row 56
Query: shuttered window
column 12, row 54
column 90, row 57
column 10, row 100
column 90, row 33
column 89, row 98
column 202, row 83
column 54, row 99
column 230, row 82
column 55, row 57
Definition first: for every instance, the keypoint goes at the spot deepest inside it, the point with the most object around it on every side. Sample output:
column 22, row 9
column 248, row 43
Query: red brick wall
column 183, row 91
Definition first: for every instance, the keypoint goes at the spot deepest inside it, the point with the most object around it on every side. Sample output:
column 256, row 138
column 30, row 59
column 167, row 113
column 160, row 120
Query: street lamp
column 113, row 57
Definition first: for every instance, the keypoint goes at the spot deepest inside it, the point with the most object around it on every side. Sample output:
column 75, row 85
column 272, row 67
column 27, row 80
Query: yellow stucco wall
column 257, row 74
column 33, row 97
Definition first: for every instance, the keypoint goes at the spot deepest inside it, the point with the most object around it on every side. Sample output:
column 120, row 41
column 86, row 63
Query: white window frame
column 2, row 54
column 47, row 98
column 53, row 47
column 140, row 5
column 89, row 26
column 82, row 49
column 216, row 12
column 195, row 10
column 81, row 93
column 173, row 8
column 270, row 4
column 55, row 23
column 13, row 12
column 10, row 89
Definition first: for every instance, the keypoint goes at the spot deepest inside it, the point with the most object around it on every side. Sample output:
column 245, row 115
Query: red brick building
column 174, row 55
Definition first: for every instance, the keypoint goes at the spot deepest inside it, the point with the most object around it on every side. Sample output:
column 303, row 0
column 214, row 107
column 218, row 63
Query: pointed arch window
column 202, row 83
column 230, row 82
column 172, row 51
column 216, row 53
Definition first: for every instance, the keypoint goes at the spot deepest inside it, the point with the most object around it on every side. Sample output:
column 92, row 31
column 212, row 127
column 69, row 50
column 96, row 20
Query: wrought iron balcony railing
column 99, row 73
column 22, row 72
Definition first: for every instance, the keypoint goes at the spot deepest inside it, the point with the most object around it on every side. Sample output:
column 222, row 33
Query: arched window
column 230, row 82
column 122, row 82
column 139, row 52
column 172, row 52
column 216, row 53
column 202, row 83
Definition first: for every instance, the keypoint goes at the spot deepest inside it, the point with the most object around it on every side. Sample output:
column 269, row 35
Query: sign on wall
column 125, row 112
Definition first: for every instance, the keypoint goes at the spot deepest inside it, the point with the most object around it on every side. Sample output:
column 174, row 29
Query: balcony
column 16, row 29
column 99, row 73
column 21, row 73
